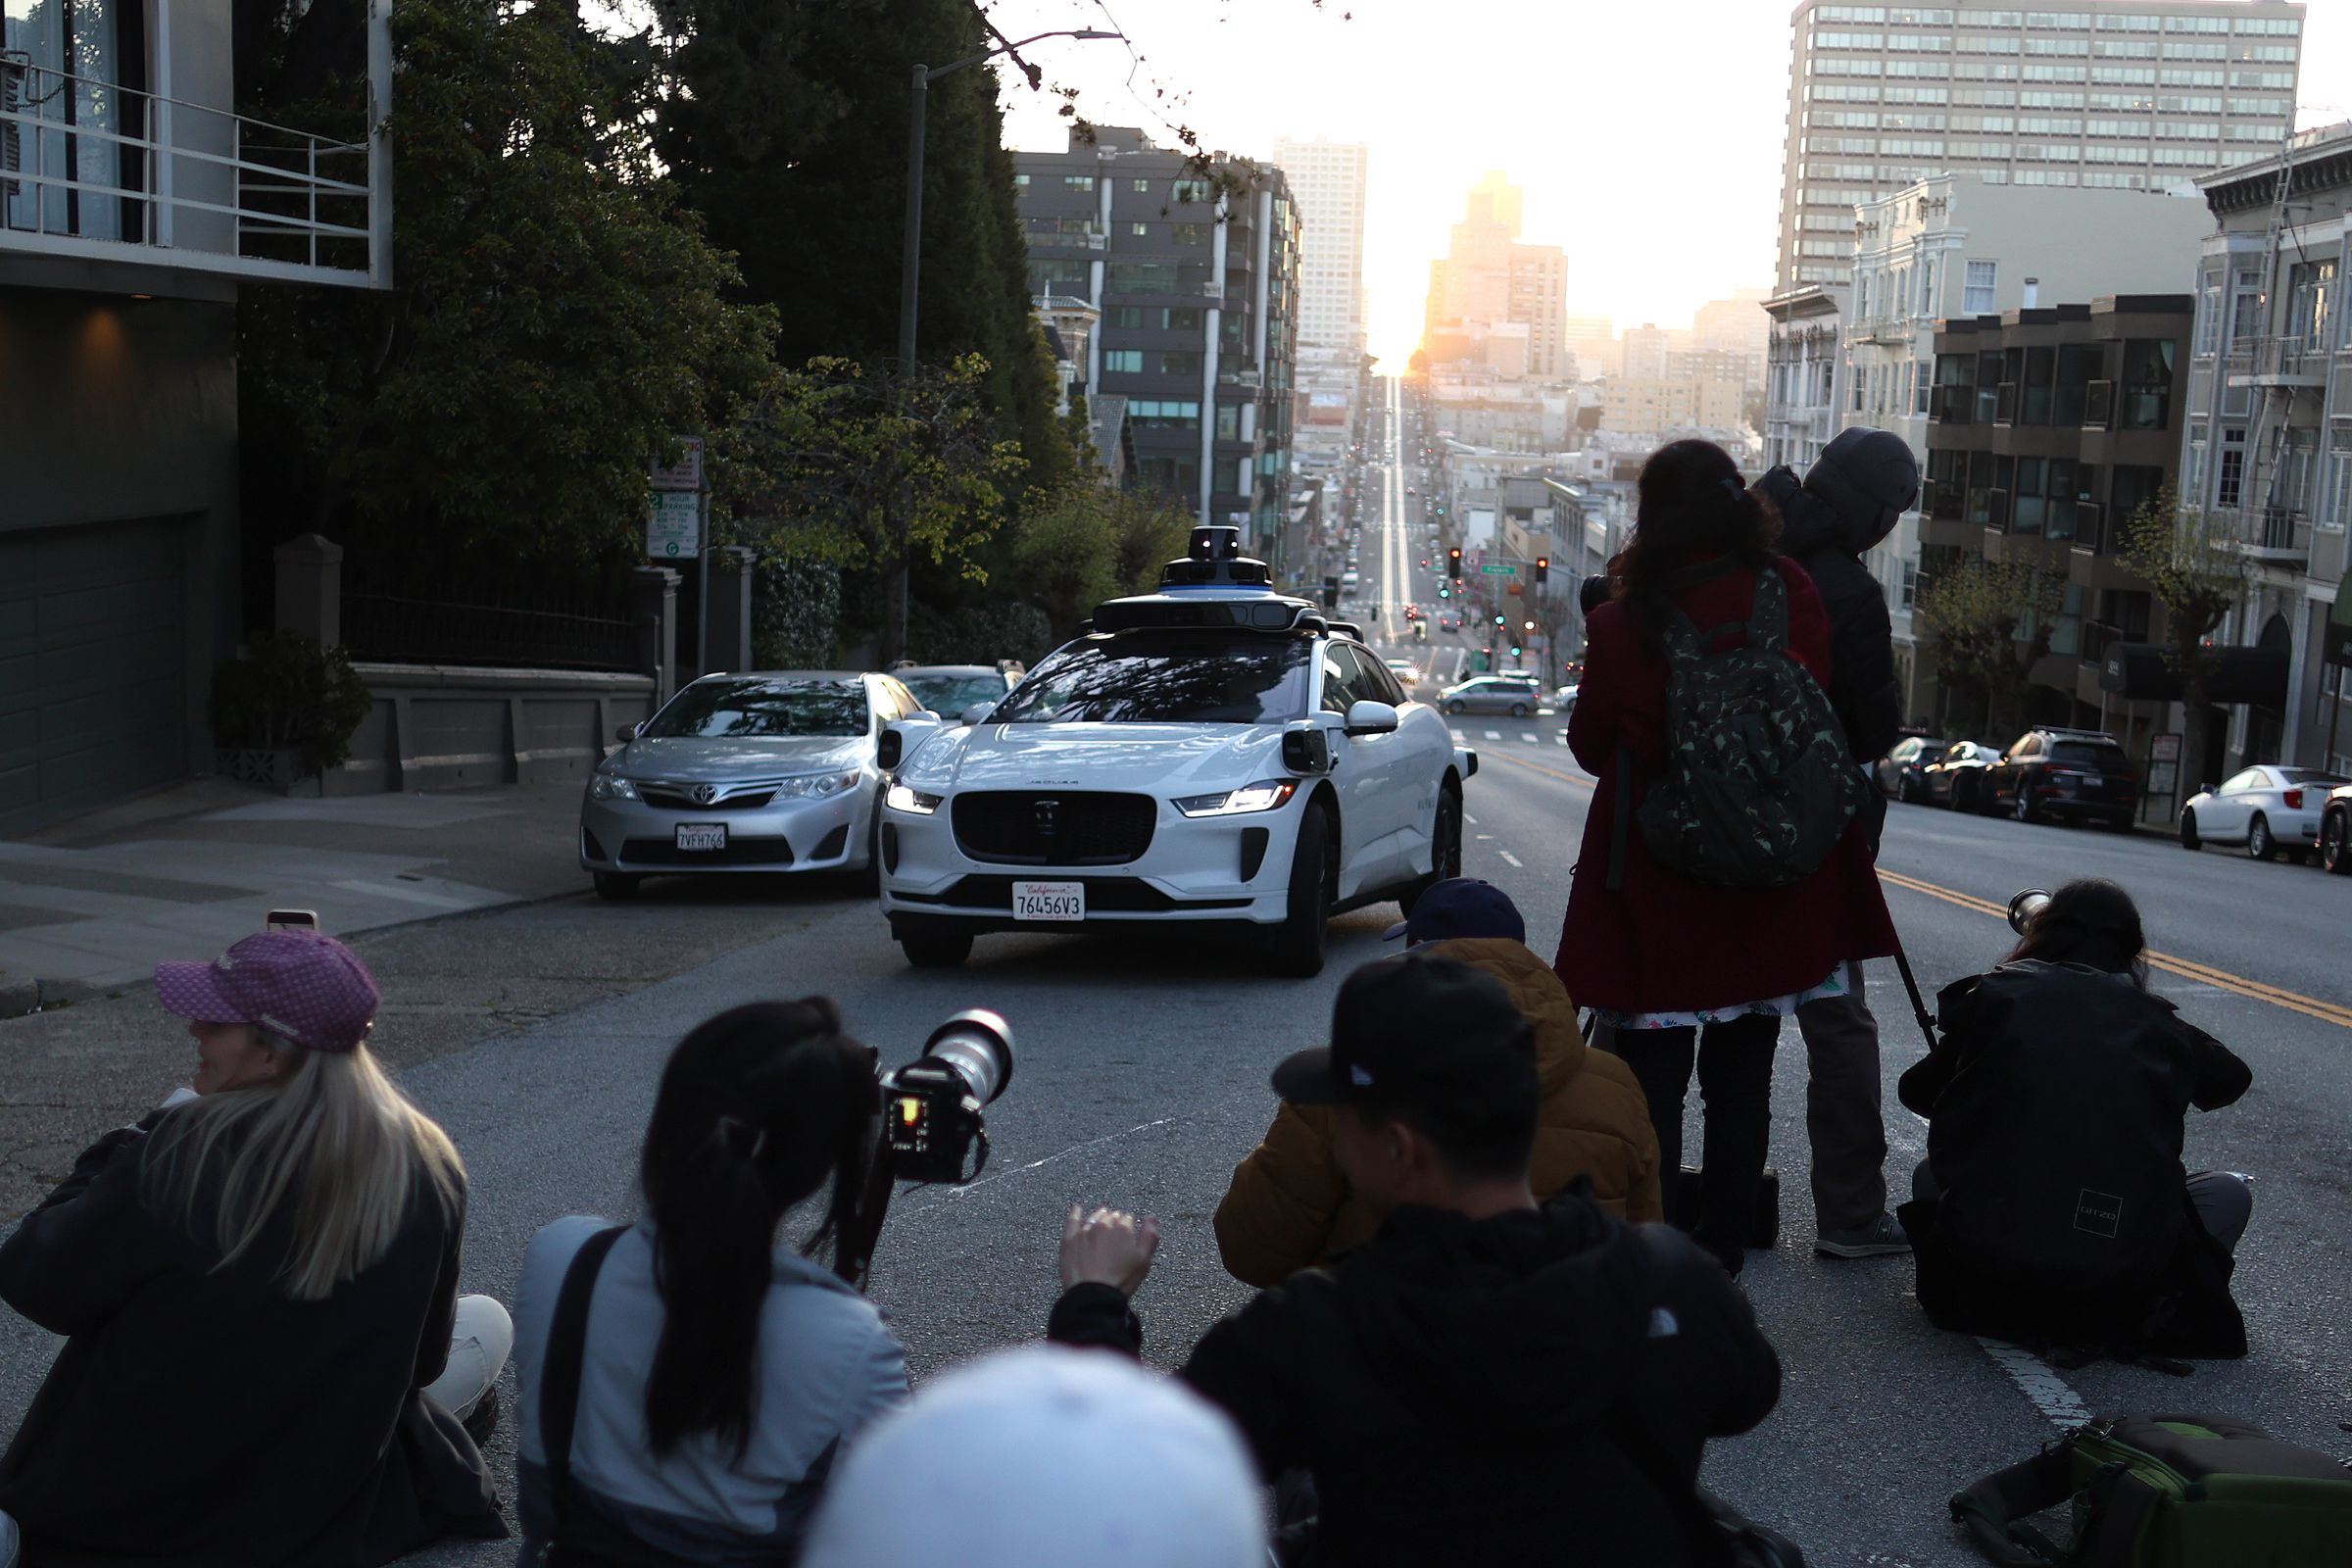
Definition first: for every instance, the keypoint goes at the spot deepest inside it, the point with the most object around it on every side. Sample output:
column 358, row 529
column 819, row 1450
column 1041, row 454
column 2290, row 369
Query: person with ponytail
column 266, row 1362
column 722, row 1364
column 1659, row 954
column 2053, row 1205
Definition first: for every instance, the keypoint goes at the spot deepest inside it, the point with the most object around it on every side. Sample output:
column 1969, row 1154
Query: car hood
column 688, row 757
column 1162, row 758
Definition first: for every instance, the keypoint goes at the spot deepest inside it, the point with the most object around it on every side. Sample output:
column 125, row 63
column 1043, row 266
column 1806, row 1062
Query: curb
column 27, row 997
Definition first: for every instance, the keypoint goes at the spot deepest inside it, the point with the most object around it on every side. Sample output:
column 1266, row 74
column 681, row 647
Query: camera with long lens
column 932, row 1127
column 2025, row 906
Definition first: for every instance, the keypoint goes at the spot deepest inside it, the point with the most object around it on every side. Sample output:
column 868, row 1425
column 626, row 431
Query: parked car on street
column 1955, row 780
column 2335, row 832
column 1900, row 771
column 1563, row 700
column 2071, row 774
column 2269, row 809
column 1515, row 695
column 779, row 770
column 954, row 690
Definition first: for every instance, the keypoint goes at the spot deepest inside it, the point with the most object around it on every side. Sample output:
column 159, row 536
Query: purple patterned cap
column 298, row 985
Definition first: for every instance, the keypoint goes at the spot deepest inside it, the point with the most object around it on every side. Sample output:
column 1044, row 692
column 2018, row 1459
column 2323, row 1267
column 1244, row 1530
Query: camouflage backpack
column 1758, row 785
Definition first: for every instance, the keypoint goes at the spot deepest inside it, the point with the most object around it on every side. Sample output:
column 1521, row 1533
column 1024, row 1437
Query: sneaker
column 478, row 1424
column 8, row 1542
column 1880, row 1236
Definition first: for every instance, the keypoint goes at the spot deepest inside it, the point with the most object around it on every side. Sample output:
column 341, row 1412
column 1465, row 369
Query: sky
column 1647, row 133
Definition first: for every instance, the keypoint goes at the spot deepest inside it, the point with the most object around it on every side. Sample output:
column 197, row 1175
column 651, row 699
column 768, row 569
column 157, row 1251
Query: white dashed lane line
column 1513, row 859
column 1494, row 734
column 1472, row 821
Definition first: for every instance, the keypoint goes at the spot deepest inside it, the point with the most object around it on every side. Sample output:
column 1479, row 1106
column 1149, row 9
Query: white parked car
column 1211, row 753
column 2269, row 809
column 775, row 772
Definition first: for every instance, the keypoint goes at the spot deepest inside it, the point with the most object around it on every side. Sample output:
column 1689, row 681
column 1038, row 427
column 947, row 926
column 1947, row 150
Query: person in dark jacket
column 1486, row 1381
column 1851, row 498
column 1660, row 956
column 2053, row 1204
column 259, row 1286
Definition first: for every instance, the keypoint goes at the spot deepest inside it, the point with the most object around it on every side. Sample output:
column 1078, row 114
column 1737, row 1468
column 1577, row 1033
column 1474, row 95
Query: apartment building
column 2269, row 440
column 2051, row 428
column 2104, row 94
column 1659, row 409
column 1804, row 373
column 1196, row 280
column 135, row 205
column 1327, row 182
column 1490, row 280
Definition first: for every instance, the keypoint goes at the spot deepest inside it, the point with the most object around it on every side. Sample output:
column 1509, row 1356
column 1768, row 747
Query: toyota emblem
column 1047, row 812
column 704, row 794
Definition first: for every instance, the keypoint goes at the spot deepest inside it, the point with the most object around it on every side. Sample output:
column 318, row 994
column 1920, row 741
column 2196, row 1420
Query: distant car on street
column 1517, row 696
column 1563, row 700
column 1901, row 769
column 1955, row 780
column 2072, row 774
column 778, row 770
column 2269, row 809
column 952, row 690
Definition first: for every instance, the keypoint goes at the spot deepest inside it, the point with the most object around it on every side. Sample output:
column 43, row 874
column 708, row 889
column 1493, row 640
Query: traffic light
column 1543, row 569
column 1453, row 558
column 1514, row 650
column 1499, row 620
column 1444, row 592
column 1527, row 625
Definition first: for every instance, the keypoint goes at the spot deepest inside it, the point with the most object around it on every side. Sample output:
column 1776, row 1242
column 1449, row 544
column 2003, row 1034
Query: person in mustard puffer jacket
column 1289, row 1209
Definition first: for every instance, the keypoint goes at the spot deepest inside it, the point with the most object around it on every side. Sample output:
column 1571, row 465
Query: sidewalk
column 92, row 905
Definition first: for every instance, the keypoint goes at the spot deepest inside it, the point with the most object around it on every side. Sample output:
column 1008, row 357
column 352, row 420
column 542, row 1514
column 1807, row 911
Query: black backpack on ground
column 1758, row 786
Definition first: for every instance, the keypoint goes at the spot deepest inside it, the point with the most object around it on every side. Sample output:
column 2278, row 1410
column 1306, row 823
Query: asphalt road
column 1141, row 1080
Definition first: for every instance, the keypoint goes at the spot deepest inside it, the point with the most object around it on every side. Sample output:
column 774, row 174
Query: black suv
column 2077, row 774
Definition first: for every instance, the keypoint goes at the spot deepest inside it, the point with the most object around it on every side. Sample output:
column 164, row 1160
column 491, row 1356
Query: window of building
column 1189, row 233
column 1977, row 295
column 1176, row 361
column 2038, row 387
column 1189, row 190
column 1140, row 187
column 1020, row 182
column 1181, row 319
column 2310, row 303
column 1078, row 182
column 2249, row 307
column 1140, row 278
column 1139, row 231
column 1122, row 362
column 2079, row 364
column 1058, row 277
column 2191, row 49
column 2115, row 24
column 2335, row 502
column 1229, row 421
column 2230, row 477
column 1164, row 413
column 1991, row 371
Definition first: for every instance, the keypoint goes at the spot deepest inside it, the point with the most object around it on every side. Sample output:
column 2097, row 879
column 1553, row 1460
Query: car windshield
column 1156, row 679
column 2087, row 753
column 734, row 710
column 953, row 693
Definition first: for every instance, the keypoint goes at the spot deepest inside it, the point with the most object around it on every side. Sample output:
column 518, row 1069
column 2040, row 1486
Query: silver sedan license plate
column 1048, row 901
column 701, row 835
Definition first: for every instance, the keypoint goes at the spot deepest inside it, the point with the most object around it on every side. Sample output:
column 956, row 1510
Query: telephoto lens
column 2025, row 906
column 978, row 1045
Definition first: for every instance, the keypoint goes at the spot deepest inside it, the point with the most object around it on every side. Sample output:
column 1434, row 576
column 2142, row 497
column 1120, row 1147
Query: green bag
column 2168, row 1492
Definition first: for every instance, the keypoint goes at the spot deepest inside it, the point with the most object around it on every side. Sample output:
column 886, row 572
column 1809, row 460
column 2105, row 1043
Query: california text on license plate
column 701, row 835
column 1048, row 901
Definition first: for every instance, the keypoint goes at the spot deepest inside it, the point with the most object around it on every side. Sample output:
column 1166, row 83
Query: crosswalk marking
column 1494, row 734
column 1531, row 738
column 1513, row 859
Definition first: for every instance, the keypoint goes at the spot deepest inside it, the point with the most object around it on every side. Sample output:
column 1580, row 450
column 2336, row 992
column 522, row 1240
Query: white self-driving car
column 1215, row 753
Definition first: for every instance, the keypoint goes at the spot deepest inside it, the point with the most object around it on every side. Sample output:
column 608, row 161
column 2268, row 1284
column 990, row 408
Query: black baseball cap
column 1460, row 907
column 1417, row 1032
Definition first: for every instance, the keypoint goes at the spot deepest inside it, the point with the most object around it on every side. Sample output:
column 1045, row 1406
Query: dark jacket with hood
column 1851, row 498
column 2055, row 1101
column 1536, row 1386
column 200, row 1416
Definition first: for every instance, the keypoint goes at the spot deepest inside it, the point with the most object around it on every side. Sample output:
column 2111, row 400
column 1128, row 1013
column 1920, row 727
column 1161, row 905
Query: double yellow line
column 2186, row 968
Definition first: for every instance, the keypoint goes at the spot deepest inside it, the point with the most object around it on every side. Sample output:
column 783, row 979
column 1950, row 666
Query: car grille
column 678, row 798
column 1054, row 827
column 739, row 851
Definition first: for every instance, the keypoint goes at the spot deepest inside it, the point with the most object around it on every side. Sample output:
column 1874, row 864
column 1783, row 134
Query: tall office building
column 2115, row 94
column 1490, row 280
column 1327, row 182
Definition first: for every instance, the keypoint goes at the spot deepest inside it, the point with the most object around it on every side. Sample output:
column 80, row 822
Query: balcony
column 2278, row 535
column 1068, row 232
column 92, row 172
column 2284, row 362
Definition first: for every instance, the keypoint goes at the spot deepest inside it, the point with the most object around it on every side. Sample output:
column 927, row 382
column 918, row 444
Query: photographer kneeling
column 259, row 1281
column 2053, row 1205
column 719, row 1369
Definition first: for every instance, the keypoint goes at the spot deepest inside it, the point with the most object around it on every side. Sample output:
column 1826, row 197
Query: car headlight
column 815, row 786
column 1264, row 796
column 610, row 787
column 902, row 798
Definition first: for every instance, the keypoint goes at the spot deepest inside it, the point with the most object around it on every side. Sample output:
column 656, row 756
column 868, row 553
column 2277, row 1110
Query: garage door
column 93, row 666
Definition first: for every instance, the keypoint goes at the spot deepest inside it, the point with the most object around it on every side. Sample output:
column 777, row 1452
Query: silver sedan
column 2267, row 807
column 775, row 772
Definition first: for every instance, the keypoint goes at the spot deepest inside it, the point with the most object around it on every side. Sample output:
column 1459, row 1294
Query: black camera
column 932, row 1128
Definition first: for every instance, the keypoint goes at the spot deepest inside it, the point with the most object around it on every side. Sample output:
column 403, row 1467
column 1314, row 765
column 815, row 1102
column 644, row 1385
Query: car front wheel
column 616, row 885
column 2188, row 832
column 1296, row 950
column 1445, row 848
column 2260, row 846
column 1454, row 707
column 2021, row 807
column 2335, row 854
column 936, row 950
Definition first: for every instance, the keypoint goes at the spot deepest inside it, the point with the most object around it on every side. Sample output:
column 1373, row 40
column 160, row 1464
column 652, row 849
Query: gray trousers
column 1843, row 1118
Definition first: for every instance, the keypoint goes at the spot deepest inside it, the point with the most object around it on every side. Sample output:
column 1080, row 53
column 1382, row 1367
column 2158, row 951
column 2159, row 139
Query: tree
column 1083, row 541
column 2196, row 569
column 872, row 471
column 1993, row 623
column 556, row 317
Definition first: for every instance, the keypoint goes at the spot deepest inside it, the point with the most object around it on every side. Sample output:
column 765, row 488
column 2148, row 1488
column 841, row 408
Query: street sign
column 1501, row 571
column 673, row 525
column 684, row 475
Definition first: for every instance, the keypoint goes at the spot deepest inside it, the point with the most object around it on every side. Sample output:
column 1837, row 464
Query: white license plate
column 1048, row 901
column 701, row 835
column 2093, row 781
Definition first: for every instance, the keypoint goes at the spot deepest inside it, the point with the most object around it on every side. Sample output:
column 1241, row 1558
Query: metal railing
column 92, row 169
column 2266, row 357
column 2274, row 533
column 401, row 629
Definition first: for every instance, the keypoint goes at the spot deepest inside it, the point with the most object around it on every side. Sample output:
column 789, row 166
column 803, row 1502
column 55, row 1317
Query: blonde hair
column 333, row 1137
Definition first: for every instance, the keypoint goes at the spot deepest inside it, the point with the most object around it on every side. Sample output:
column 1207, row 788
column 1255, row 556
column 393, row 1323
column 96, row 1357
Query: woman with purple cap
column 267, row 1360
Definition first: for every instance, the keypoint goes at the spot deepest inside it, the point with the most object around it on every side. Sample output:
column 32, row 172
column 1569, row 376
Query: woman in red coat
column 1660, row 956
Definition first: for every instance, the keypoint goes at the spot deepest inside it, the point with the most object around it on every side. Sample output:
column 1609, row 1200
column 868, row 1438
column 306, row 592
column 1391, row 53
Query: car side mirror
column 977, row 712
column 1367, row 716
column 627, row 733
column 2205, row 789
column 890, row 750
column 1306, row 749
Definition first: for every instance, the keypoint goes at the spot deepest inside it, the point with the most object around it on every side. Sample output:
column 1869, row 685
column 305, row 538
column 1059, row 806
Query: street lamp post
column 911, row 261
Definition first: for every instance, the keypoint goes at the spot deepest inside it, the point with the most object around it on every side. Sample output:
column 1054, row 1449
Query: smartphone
column 291, row 920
